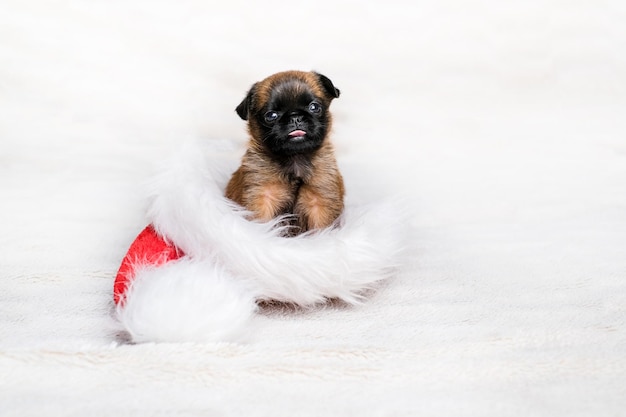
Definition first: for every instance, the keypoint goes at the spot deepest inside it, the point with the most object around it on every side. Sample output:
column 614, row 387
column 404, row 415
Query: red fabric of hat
column 148, row 249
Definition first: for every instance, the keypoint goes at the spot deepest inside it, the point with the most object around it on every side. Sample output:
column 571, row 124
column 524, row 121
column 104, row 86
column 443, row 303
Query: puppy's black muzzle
column 297, row 122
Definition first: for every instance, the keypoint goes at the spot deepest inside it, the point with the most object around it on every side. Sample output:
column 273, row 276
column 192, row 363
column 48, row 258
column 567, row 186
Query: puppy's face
column 287, row 113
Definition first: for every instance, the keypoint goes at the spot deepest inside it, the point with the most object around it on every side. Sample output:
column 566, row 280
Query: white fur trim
column 187, row 206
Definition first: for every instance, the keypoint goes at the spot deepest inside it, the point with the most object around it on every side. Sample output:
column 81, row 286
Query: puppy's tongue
column 297, row 134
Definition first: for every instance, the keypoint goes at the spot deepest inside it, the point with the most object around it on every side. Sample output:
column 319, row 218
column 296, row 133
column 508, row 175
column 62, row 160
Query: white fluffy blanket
column 501, row 122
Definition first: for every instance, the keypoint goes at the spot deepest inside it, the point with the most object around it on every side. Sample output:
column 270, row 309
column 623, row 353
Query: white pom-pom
column 185, row 301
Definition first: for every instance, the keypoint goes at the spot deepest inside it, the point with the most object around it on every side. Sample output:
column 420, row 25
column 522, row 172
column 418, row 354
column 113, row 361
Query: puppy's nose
column 296, row 119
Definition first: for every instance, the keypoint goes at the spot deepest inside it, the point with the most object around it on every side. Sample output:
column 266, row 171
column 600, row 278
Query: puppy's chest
column 297, row 169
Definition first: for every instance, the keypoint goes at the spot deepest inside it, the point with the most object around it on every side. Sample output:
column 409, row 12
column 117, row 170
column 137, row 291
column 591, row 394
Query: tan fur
column 311, row 188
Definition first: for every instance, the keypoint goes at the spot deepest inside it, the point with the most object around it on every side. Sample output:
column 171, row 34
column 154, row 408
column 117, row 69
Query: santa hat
column 198, row 270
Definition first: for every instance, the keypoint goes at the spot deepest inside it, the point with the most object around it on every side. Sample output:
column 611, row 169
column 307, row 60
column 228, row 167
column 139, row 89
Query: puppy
column 289, row 167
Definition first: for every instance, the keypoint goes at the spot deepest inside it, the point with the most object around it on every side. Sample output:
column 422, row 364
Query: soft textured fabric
column 500, row 122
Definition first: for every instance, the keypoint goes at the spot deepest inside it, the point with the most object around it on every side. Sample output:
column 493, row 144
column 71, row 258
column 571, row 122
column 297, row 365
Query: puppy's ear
column 330, row 89
column 243, row 109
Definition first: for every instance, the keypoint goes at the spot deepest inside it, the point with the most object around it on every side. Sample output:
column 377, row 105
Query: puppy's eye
column 271, row 116
column 315, row 107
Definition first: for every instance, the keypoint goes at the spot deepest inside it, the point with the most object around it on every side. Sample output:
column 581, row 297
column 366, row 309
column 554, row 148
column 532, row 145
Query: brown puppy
column 289, row 167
